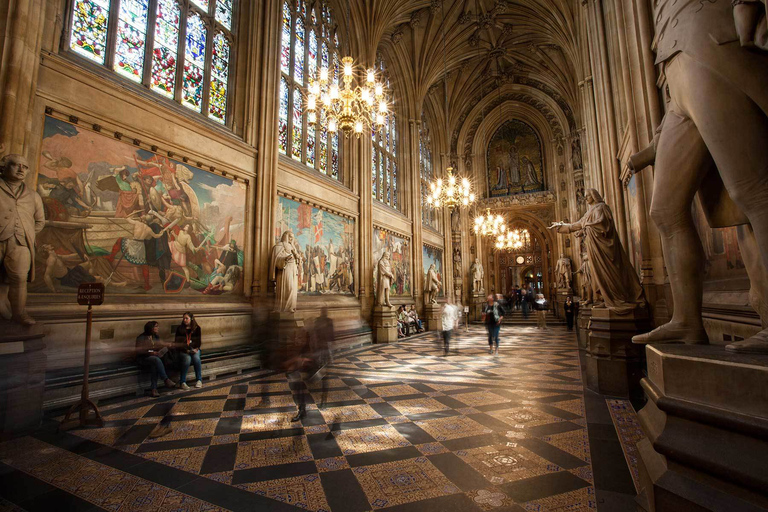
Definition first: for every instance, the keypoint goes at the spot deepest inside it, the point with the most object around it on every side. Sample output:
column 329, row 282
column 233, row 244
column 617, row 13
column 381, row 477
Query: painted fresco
column 326, row 241
column 432, row 255
column 514, row 160
column 134, row 220
column 401, row 260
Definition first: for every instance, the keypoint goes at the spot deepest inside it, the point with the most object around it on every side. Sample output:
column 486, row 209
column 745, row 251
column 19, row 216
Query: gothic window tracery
column 426, row 173
column 384, row 169
column 181, row 51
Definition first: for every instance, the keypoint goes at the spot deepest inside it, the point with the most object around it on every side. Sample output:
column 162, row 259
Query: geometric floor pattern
column 402, row 428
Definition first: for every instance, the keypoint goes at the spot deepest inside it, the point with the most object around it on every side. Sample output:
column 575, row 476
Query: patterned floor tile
column 197, row 407
column 349, row 413
column 331, row 464
column 629, row 432
column 490, row 499
column 524, row 417
column 189, row 429
column 262, row 402
column 394, row 390
column 270, row 452
column 506, row 463
column 371, row 439
column 107, row 435
column 129, row 414
column 419, row 406
column 480, row 398
column 185, row 459
column 268, row 421
column 581, row 500
column 301, row 491
column 336, row 396
column 454, row 427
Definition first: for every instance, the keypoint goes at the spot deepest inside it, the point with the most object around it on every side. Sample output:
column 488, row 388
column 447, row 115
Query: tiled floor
column 403, row 429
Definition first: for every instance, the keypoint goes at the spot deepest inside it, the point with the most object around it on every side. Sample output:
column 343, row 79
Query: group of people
column 157, row 357
column 408, row 321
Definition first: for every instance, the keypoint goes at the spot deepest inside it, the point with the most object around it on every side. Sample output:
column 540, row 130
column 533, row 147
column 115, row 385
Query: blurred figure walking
column 449, row 318
column 493, row 314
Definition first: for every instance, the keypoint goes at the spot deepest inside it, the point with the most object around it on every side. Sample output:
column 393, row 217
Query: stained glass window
column 282, row 125
column 305, row 47
column 374, row 180
column 385, row 145
column 428, row 216
column 207, row 47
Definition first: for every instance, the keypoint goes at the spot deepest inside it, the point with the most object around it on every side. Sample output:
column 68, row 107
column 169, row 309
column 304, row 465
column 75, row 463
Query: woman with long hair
column 149, row 354
column 188, row 341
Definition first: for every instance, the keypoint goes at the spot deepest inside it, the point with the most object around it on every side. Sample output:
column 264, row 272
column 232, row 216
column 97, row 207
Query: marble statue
column 456, row 220
column 563, row 271
column 477, row 275
column 711, row 143
column 612, row 273
column 433, row 284
column 286, row 261
column 384, row 278
column 457, row 264
column 24, row 219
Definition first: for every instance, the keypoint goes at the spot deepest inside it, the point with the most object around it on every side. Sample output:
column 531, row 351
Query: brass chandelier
column 349, row 108
column 514, row 239
column 490, row 224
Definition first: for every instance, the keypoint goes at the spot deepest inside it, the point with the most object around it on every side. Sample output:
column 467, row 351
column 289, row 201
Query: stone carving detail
column 612, row 273
column 457, row 265
column 415, row 21
column 285, row 263
column 397, row 35
column 477, row 272
column 25, row 218
column 433, row 284
column 384, row 279
column 576, row 153
column 542, row 197
column 465, row 17
column 563, row 270
column 456, row 220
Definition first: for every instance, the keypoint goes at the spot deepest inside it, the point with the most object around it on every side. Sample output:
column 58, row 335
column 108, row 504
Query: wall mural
column 327, row 242
column 401, row 260
column 434, row 255
column 514, row 160
column 134, row 220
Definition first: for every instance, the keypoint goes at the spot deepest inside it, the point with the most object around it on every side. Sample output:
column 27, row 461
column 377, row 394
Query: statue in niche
column 456, row 220
column 25, row 218
column 576, row 154
column 563, row 271
column 612, row 273
column 711, row 143
column 384, row 278
column 286, row 260
column 457, row 264
column 477, row 276
column 433, row 284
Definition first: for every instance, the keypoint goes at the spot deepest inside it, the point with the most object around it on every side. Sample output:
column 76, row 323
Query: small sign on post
column 88, row 294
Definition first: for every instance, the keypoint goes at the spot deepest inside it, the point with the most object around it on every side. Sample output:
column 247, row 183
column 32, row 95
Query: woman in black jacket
column 188, row 341
column 150, row 354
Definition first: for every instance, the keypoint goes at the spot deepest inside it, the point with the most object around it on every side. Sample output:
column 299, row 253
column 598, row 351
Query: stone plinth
column 288, row 325
column 433, row 317
column 476, row 307
column 583, row 316
column 22, row 378
column 706, row 423
column 384, row 324
column 559, row 302
column 614, row 363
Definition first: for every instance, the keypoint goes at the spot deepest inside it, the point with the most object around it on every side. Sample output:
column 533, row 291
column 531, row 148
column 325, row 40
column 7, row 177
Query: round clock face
column 520, row 260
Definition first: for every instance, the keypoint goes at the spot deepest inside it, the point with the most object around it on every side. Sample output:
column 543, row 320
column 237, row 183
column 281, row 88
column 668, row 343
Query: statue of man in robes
column 433, row 284
column 477, row 275
column 284, row 269
column 384, row 278
column 612, row 273
column 563, row 271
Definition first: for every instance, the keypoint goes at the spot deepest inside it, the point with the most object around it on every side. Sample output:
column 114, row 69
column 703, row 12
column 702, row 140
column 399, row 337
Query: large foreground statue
column 612, row 273
column 433, row 284
column 284, row 269
column 23, row 219
column 712, row 141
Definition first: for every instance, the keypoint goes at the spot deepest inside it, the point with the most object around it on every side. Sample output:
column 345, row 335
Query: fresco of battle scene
column 326, row 242
column 401, row 260
column 434, row 255
column 134, row 220
column 515, row 164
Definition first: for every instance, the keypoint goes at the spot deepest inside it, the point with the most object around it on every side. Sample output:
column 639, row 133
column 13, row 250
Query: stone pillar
column 614, row 363
column 22, row 374
column 706, row 423
column 583, row 316
column 384, row 324
column 433, row 317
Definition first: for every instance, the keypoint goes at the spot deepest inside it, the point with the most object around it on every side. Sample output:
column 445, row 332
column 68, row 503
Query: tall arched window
column 309, row 41
column 428, row 216
column 384, row 175
column 180, row 50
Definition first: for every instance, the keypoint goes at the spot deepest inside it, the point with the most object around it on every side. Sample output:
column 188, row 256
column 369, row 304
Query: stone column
column 21, row 27
column 414, row 126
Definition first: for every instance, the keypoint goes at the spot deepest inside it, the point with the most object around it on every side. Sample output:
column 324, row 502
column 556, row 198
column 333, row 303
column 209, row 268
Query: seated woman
column 404, row 319
column 188, row 341
column 415, row 318
column 149, row 354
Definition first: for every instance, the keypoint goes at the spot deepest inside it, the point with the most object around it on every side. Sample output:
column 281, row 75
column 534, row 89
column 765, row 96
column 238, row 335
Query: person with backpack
column 493, row 314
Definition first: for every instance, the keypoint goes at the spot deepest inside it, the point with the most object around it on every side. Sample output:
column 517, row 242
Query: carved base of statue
column 22, row 363
column 705, row 423
column 477, row 305
column 288, row 325
column 433, row 317
column 584, row 315
column 614, row 363
column 384, row 324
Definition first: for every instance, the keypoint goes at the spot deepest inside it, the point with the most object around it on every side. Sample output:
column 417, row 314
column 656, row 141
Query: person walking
column 569, row 312
column 526, row 305
column 449, row 318
column 493, row 314
column 188, row 341
column 541, row 305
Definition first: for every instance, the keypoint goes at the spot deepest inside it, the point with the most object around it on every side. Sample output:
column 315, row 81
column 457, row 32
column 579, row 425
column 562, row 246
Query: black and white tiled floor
column 403, row 429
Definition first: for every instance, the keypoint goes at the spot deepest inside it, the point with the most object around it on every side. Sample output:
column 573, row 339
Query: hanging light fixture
column 452, row 191
column 351, row 108
column 490, row 224
column 514, row 240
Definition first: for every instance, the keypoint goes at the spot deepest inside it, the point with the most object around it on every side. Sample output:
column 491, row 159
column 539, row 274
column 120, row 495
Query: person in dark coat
column 152, row 355
column 570, row 310
column 187, row 344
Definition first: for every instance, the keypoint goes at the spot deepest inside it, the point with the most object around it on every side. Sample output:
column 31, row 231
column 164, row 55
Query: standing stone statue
column 433, row 284
column 612, row 273
column 286, row 261
column 384, row 278
column 563, row 271
column 457, row 264
column 477, row 275
column 24, row 218
column 455, row 220
column 711, row 142
column 587, row 291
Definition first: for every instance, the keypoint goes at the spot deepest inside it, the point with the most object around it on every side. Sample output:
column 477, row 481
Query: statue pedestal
column 476, row 309
column 706, row 423
column 614, row 363
column 22, row 373
column 583, row 316
column 433, row 316
column 384, row 324
column 288, row 325
column 562, row 294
